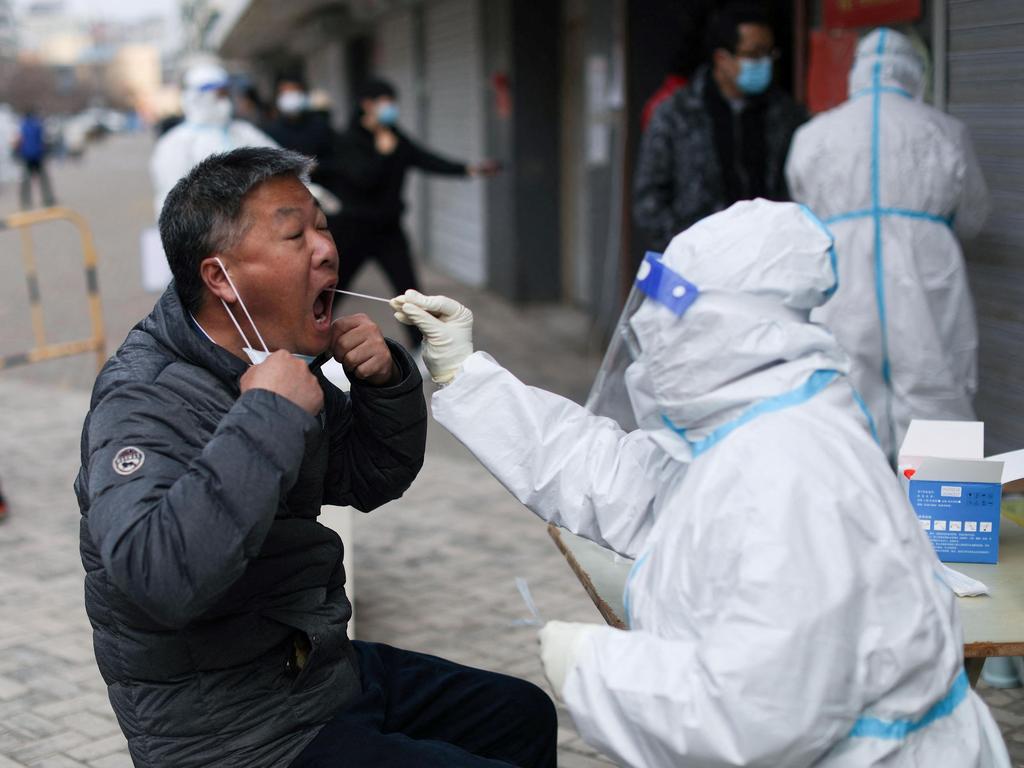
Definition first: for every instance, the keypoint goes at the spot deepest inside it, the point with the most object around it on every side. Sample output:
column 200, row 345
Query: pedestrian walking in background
column 722, row 138
column 30, row 148
column 370, row 162
column 897, row 181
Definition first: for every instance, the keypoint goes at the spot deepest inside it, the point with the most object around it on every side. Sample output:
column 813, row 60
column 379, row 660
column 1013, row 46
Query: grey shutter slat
column 986, row 91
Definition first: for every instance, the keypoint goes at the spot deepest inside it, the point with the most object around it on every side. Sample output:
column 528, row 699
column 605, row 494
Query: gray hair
column 203, row 212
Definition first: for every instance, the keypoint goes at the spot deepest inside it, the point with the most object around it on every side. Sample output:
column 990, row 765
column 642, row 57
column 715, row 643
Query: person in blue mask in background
column 721, row 139
column 367, row 173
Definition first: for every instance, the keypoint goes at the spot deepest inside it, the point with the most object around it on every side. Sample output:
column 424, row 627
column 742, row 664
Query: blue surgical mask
column 387, row 114
column 755, row 75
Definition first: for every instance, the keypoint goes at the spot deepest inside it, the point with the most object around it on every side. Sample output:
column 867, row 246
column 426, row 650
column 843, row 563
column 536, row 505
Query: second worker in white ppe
column 208, row 128
column 897, row 181
column 784, row 607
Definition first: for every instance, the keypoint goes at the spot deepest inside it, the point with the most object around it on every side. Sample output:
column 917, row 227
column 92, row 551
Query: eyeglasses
column 761, row 53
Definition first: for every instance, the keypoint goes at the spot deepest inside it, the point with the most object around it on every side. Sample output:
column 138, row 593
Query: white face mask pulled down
column 255, row 356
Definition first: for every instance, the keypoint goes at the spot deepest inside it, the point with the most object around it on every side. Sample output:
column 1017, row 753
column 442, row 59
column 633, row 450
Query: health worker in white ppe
column 208, row 128
column 785, row 607
column 897, row 182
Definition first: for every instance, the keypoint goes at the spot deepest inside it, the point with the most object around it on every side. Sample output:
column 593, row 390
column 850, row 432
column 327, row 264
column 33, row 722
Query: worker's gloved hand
column 447, row 329
column 560, row 645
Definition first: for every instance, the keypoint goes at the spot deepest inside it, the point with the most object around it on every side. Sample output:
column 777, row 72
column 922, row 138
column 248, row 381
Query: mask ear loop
column 246, row 311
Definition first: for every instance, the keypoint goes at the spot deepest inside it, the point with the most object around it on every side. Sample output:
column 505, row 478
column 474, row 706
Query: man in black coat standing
column 216, row 598
column 367, row 170
column 296, row 126
column 722, row 138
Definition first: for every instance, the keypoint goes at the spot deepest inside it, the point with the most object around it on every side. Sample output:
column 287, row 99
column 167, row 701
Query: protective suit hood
column 894, row 57
column 760, row 268
column 200, row 101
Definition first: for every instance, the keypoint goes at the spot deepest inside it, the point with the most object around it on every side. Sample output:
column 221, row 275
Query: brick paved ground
column 435, row 570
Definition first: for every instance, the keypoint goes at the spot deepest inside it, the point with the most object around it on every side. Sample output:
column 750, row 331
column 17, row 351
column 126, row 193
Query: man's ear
column 212, row 275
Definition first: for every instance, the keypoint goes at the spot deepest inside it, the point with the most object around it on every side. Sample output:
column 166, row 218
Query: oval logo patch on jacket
column 127, row 460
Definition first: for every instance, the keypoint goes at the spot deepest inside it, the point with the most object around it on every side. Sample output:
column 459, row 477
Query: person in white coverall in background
column 897, row 181
column 208, row 128
column 785, row 607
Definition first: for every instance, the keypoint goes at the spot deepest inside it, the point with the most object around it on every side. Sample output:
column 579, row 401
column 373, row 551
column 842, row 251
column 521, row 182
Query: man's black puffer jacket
column 205, row 564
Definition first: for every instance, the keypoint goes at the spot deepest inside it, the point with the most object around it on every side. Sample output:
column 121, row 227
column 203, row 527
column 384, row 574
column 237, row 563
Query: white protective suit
column 785, row 607
column 892, row 178
column 207, row 129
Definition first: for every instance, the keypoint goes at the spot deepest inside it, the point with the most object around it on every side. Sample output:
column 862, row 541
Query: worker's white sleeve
column 744, row 696
column 567, row 465
column 975, row 203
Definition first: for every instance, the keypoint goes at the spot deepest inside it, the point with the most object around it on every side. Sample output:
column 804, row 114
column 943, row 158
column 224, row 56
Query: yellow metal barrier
column 97, row 343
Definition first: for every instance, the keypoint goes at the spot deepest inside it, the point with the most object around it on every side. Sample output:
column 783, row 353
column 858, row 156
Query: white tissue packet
column 962, row 584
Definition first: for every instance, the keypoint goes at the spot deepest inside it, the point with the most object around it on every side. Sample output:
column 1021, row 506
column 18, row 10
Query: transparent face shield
column 657, row 282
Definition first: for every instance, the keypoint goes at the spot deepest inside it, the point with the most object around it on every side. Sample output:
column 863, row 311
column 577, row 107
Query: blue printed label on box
column 961, row 519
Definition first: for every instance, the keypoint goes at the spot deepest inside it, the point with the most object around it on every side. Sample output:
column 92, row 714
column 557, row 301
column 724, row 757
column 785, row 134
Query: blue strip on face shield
column 664, row 286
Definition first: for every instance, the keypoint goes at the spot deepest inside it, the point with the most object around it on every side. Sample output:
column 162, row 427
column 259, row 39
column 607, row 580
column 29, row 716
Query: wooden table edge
column 584, row 578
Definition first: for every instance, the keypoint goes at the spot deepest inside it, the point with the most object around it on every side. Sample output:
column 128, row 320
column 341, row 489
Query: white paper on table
column 1013, row 465
column 962, row 584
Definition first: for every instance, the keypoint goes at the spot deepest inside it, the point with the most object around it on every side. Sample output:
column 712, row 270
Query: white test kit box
column 955, row 491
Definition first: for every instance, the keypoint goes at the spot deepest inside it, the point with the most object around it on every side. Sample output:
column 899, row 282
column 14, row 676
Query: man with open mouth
column 217, row 600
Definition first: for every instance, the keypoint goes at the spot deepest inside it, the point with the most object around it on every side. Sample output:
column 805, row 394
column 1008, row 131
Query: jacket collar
column 171, row 325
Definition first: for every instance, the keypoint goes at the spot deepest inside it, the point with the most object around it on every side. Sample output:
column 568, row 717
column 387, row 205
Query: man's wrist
column 393, row 378
column 402, row 368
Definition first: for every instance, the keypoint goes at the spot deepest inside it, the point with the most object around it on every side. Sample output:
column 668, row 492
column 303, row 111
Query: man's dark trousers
column 419, row 710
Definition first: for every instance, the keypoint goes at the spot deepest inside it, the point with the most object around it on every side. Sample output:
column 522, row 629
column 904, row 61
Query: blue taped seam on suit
column 884, row 89
column 867, row 414
column 815, row 384
column 897, row 730
column 898, row 212
column 625, row 589
column 831, row 248
column 876, row 204
column 876, row 213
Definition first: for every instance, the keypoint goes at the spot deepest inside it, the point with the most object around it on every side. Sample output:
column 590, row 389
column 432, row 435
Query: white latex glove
column 447, row 329
column 560, row 645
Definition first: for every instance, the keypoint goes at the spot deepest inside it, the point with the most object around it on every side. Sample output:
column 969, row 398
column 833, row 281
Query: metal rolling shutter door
column 455, row 127
column 986, row 91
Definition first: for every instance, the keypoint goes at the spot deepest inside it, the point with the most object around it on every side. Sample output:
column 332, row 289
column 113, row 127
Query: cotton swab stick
column 361, row 295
